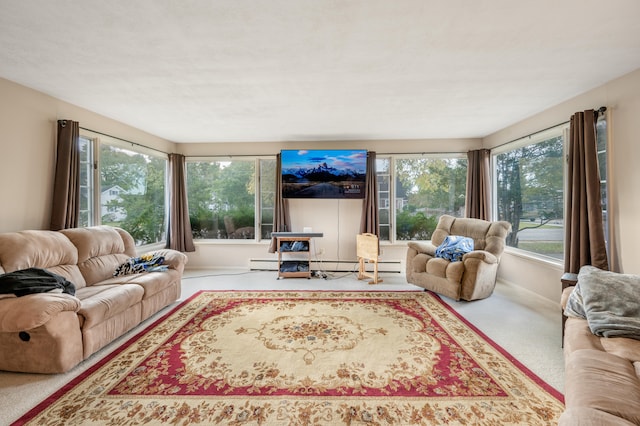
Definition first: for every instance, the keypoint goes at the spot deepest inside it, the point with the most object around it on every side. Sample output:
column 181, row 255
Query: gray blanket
column 609, row 301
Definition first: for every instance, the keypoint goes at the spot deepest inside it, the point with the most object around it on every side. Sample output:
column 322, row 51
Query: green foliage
column 415, row 226
column 218, row 190
column 530, row 184
column 430, row 187
column 143, row 177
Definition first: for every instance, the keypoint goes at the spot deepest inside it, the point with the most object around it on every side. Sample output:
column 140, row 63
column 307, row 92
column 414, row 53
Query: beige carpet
column 306, row 358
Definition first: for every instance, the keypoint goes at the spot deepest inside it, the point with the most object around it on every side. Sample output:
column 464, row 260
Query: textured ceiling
column 283, row 70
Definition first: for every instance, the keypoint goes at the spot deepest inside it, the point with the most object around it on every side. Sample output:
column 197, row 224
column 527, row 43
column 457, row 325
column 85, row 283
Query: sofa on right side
column 602, row 374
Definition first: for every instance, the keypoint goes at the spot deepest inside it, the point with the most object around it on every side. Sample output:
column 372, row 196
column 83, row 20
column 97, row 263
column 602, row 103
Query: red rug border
column 533, row 376
column 29, row 415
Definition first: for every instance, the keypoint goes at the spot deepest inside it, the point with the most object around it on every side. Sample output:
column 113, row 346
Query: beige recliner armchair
column 474, row 277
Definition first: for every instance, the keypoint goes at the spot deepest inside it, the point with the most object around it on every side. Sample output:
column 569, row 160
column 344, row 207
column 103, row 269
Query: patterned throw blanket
column 609, row 302
column 138, row 265
column 454, row 247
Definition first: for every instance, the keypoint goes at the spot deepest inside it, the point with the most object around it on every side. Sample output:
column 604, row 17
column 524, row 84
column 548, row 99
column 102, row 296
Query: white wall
column 27, row 151
column 622, row 99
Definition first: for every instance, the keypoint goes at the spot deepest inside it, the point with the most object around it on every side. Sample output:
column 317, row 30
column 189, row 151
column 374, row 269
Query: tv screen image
column 323, row 173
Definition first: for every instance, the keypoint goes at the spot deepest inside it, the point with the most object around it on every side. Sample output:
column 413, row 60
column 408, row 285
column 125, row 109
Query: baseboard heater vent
column 327, row 265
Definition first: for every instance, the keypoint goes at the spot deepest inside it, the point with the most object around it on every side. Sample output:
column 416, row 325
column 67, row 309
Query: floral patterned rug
column 306, row 358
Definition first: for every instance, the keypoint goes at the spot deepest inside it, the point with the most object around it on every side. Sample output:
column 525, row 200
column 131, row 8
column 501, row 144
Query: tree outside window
column 426, row 188
column 132, row 193
column 530, row 193
column 221, row 197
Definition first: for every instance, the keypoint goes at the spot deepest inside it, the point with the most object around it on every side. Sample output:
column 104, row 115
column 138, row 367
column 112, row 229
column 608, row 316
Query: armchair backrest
column 488, row 236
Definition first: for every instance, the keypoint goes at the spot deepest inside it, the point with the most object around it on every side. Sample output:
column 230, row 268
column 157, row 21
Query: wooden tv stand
column 294, row 242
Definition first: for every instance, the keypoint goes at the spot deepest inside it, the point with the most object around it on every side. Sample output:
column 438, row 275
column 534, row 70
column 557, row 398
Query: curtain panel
column 179, row 236
column 281, row 217
column 65, row 207
column 478, row 202
column 370, row 220
column 584, row 232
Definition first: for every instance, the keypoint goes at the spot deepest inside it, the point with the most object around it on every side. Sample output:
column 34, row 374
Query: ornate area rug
column 306, row 358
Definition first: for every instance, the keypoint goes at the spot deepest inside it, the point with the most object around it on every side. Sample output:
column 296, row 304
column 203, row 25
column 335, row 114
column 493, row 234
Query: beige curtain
column 66, row 186
column 370, row 221
column 478, row 203
column 281, row 218
column 584, row 233
column 179, row 235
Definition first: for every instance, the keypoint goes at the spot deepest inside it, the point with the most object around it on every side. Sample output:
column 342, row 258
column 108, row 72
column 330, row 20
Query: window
column 86, row 211
column 222, row 198
column 124, row 185
column 427, row 187
column 529, row 191
column 267, row 187
column 601, row 139
column 383, row 174
column 132, row 192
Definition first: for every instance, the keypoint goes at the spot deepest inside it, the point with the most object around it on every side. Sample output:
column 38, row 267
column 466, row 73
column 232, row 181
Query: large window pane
column 601, row 138
column 222, row 199
column 86, row 182
column 267, row 196
column 426, row 188
column 384, row 197
column 530, row 194
column 132, row 193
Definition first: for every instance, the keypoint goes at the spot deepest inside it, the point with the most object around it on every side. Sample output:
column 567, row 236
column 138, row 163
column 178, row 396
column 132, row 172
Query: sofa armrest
column 33, row 310
column 172, row 258
column 423, row 247
column 485, row 256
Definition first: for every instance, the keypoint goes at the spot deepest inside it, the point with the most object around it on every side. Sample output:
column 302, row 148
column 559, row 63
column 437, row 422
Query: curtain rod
column 228, row 155
column 377, row 153
column 600, row 110
column 124, row 140
column 422, row 153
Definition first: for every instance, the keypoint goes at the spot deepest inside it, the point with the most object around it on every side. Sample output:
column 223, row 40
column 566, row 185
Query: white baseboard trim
column 328, row 265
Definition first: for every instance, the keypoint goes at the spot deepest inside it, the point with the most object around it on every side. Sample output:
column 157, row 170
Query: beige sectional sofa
column 52, row 332
column 602, row 374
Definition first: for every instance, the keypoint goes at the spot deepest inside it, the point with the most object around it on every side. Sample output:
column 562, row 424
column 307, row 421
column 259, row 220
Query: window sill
column 230, row 241
column 534, row 257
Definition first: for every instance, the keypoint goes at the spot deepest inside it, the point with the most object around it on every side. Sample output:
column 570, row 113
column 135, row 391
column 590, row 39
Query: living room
column 28, row 134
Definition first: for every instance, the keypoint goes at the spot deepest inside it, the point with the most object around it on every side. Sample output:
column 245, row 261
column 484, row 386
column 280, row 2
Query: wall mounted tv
column 323, row 173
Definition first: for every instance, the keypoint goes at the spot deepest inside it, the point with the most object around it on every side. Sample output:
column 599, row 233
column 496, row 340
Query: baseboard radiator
column 327, row 265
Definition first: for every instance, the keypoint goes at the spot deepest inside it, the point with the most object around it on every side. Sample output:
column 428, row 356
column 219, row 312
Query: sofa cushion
column 584, row 416
column 623, row 347
column 33, row 310
column 598, row 380
column 100, row 250
column 40, row 249
column 151, row 282
column 444, row 269
column 578, row 336
column 101, row 302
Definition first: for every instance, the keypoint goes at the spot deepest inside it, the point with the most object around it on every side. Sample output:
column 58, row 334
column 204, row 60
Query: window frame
column 393, row 159
column 561, row 130
column 257, row 160
column 96, row 141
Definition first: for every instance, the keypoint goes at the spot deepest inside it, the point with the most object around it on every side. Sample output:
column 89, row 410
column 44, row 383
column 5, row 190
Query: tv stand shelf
column 298, row 267
column 288, row 243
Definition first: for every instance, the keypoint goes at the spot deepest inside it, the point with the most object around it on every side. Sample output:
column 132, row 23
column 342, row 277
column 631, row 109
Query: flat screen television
column 323, row 173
